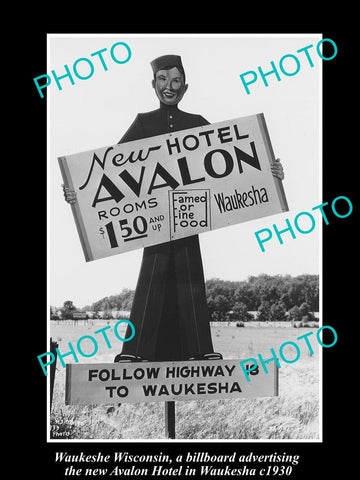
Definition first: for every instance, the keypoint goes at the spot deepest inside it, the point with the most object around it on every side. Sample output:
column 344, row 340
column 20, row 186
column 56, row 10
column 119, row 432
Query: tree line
column 271, row 297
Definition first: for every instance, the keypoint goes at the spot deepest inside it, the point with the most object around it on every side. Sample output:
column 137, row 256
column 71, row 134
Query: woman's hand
column 70, row 195
column 277, row 169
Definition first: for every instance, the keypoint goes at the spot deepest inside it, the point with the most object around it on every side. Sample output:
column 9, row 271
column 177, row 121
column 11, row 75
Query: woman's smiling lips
column 168, row 94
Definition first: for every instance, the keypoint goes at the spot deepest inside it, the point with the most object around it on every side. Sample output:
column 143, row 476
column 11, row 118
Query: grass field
column 294, row 414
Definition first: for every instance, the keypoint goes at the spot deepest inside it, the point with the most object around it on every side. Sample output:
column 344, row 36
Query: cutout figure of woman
column 169, row 310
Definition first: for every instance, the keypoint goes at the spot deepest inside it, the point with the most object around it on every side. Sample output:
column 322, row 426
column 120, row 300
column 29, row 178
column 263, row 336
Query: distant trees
column 67, row 309
column 122, row 301
column 241, row 312
column 301, row 314
column 273, row 297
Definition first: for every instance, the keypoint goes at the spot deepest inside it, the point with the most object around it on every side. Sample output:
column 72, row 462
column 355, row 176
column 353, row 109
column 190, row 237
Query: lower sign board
column 158, row 189
column 107, row 383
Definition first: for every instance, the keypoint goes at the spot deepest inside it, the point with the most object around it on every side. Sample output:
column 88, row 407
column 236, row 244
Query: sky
column 96, row 112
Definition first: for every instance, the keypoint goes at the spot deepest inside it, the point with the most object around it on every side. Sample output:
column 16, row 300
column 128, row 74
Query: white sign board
column 171, row 186
column 110, row 383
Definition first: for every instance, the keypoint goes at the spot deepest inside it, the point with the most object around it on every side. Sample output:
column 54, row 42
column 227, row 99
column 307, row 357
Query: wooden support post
column 170, row 419
column 53, row 346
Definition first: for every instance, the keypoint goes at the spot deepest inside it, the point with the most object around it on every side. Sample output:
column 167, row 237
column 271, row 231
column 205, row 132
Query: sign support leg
column 53, row 346
column 170, row 419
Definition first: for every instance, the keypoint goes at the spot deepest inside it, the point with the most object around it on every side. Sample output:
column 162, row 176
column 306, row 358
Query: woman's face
column 169, row 86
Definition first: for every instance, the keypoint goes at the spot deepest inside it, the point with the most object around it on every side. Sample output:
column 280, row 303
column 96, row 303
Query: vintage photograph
column 185, row 215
